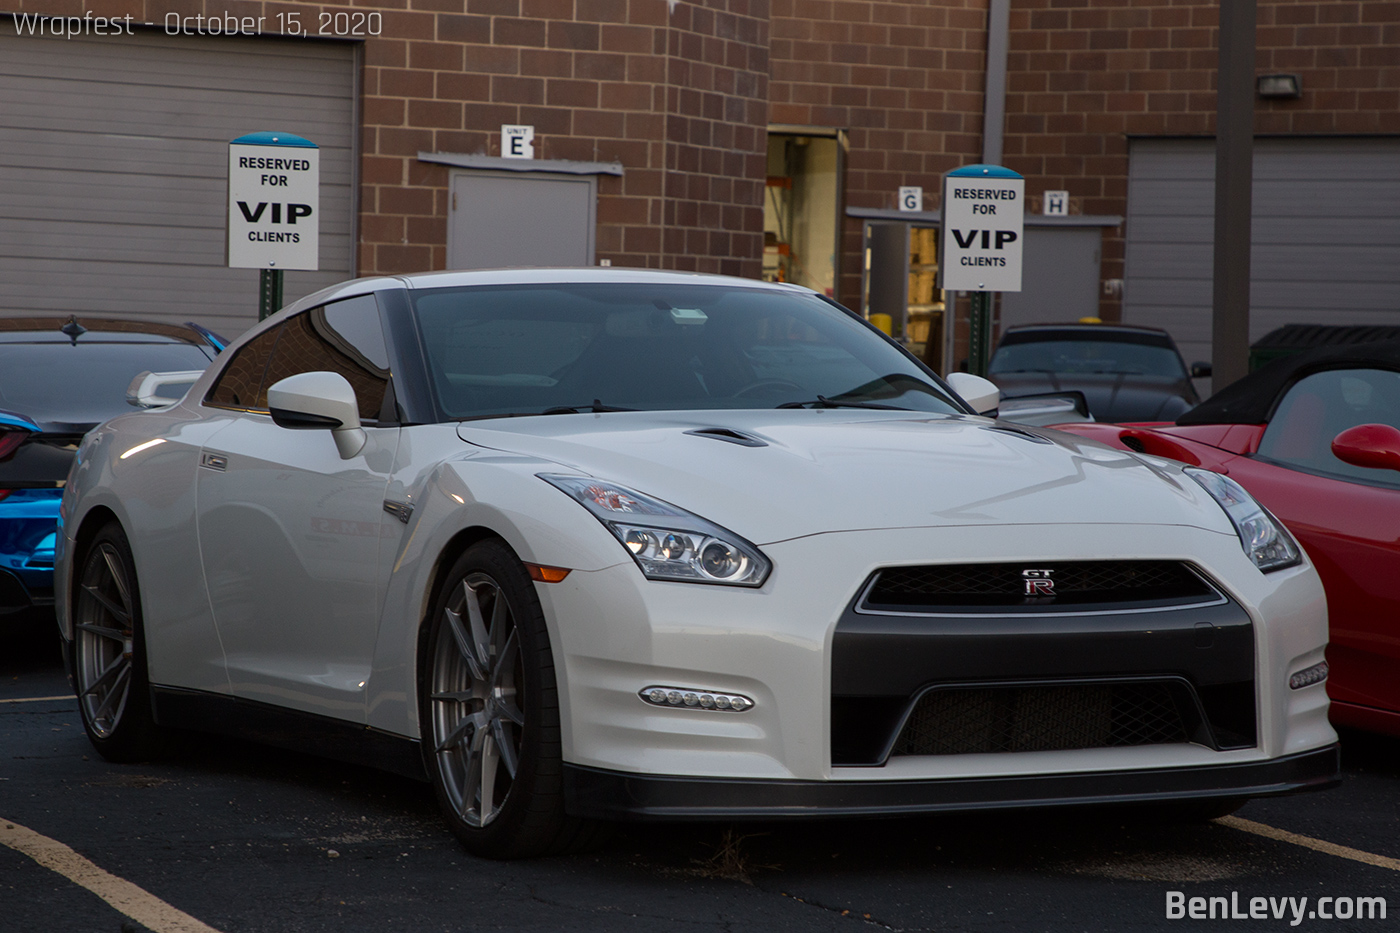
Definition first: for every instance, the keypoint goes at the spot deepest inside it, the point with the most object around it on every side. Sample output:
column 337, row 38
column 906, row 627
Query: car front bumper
column 613, row 795
column 615, row 634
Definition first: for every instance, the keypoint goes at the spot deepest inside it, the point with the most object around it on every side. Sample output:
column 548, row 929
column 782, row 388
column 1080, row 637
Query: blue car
column 60, row 378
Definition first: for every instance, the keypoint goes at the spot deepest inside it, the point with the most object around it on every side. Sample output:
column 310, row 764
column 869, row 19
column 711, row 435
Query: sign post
column 274, row 203
column 980, row 245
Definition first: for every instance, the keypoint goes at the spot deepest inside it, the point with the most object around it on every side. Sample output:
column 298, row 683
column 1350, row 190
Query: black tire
column 109, row 652
column 488, row 710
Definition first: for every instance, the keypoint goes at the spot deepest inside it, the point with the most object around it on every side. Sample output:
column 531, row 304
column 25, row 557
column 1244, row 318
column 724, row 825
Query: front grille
column 961, row 721
column 1117, row 583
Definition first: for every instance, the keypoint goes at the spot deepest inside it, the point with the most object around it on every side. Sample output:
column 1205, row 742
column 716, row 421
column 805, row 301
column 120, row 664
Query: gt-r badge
column 1038, row 582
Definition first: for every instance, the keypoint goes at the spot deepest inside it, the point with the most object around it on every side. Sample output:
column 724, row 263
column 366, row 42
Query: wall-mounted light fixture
column 1280, row 87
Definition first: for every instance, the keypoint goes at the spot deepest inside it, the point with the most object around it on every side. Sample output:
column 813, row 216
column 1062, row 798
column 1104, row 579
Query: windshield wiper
column 822, row 401
column 596, row 407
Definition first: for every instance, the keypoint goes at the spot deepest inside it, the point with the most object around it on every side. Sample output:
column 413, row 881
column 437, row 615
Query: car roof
column 578, row 275
column 95, row 330
column 1250, row 400
column 529, row 276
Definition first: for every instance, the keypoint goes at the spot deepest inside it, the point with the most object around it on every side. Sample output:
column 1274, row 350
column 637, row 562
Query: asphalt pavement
column 238, row 838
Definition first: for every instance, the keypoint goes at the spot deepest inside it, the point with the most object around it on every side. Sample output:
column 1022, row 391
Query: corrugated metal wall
column 1326, row 242
column 114, row 165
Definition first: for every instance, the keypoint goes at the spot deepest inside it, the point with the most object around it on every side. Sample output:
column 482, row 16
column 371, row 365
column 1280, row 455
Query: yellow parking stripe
column 135, row 902
column 1320, row 845
column 66, row 696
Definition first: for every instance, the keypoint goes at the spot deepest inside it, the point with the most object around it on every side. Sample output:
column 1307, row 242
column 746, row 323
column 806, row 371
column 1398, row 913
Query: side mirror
column 311, row 401
column 1369, row 445
column 1200, row 370
column 981, row 395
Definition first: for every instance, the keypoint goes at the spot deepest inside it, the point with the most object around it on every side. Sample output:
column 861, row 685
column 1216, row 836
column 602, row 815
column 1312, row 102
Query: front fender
column 483, row 492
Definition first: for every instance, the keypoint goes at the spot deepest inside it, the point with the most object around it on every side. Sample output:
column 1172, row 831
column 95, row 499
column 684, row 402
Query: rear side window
column 240, row 385
column 343, row 337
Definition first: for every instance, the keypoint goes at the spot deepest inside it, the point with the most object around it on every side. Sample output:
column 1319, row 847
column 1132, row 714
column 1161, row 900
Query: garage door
column 1326, row 243
column 114, row 164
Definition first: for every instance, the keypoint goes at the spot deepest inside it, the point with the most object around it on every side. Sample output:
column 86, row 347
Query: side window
column 342, row 337
column 241, row 384
column 1318, row 408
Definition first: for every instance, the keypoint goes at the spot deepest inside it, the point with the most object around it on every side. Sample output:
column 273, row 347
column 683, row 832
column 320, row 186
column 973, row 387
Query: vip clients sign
column 274, row 187
column 982, row 229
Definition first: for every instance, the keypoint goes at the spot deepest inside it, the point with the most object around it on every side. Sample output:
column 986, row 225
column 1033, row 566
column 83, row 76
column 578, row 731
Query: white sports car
column 606, row 544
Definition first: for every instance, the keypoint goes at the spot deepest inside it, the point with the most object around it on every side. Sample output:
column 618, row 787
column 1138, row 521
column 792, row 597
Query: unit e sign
column 274, row 188
column 983, row 209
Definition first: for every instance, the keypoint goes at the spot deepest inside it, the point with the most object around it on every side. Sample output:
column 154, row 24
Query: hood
column 1112, row 397
column 800, row 472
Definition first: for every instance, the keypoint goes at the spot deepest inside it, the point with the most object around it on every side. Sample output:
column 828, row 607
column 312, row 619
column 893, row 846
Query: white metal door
column 500, row 219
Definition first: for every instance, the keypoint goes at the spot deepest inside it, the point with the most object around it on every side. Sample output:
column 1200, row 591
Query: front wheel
column 109, row 652
column 489, row 711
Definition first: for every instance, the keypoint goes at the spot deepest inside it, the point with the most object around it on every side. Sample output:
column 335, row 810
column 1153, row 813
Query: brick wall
column 676, row 94
column 716, row 115
column 905, row 78
column 1084, row 75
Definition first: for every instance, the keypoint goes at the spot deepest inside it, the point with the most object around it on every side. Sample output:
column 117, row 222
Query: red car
column 1313, row 437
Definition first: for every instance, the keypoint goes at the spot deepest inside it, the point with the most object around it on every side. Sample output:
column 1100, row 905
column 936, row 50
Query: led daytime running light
column 685, row 698
column 1308, row 676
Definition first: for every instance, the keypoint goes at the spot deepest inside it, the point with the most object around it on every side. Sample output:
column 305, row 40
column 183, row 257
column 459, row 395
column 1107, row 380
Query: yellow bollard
column 884, row 322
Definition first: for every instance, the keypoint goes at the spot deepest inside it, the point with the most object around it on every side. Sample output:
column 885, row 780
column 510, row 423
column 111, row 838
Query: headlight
column 1266, row 542
column 666, row 542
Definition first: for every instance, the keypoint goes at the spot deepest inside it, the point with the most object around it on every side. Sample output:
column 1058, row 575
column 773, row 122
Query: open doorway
column 802, row 209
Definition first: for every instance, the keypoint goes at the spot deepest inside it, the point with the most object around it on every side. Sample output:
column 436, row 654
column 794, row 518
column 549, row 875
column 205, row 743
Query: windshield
column 527, row 349
column 1087, row 356
column 86, row 382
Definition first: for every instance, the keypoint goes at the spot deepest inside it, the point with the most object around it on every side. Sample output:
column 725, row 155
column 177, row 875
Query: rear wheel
column 109, row 652
column 489, row 711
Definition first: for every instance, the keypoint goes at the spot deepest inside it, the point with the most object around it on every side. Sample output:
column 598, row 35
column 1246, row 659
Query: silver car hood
column 807, row 472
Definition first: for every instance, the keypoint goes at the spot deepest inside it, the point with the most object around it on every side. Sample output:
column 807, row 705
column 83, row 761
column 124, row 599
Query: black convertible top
column 1251, row 400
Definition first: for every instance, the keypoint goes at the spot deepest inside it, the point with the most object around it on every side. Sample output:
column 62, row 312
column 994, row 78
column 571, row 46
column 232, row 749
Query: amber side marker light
column 542, row 574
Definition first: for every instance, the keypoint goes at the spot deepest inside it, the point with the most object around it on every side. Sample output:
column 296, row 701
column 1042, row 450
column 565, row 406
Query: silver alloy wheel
column 104, row 640
column 476, row 711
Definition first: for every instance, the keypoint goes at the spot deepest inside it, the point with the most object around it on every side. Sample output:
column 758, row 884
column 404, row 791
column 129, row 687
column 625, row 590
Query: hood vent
column 1017, row 432
column 729, row 436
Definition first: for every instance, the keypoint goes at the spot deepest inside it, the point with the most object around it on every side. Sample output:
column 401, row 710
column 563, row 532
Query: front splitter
column 613, row 795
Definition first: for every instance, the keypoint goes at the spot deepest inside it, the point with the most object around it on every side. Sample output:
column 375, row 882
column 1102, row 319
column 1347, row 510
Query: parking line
column 135, row 902
column 1320, row 845
column 66, row 696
